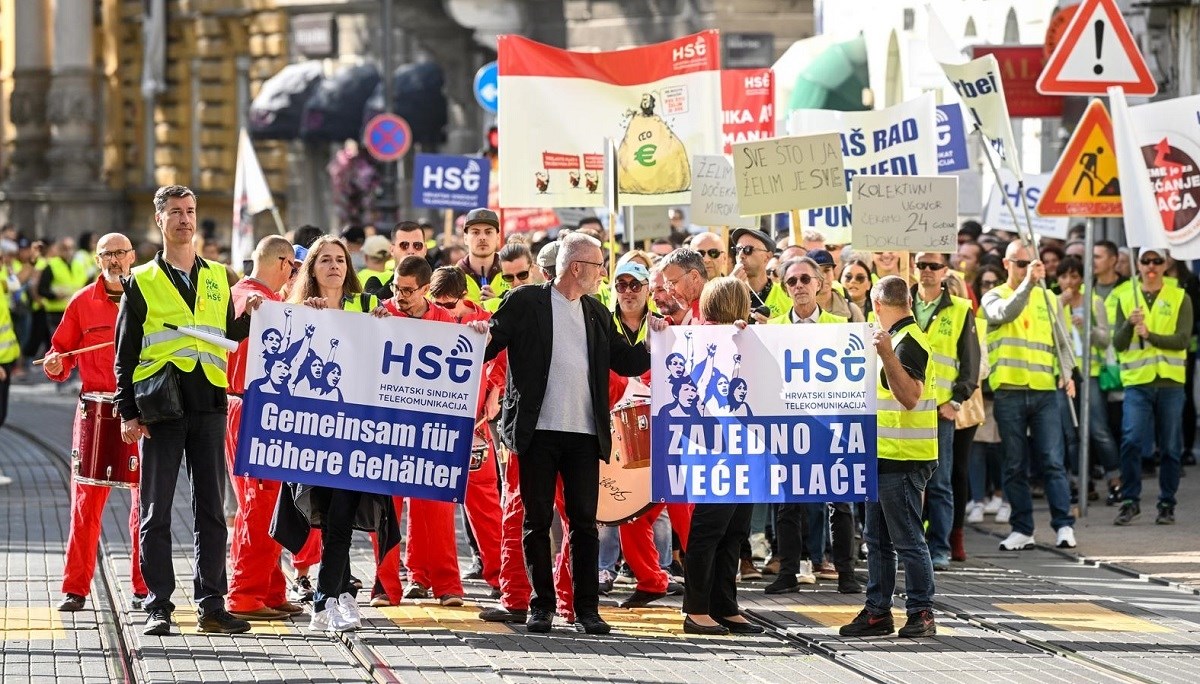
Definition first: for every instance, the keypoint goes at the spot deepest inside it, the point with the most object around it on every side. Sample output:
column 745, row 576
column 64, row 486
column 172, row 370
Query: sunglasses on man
column 803, row 279
column 520, row 275
column 1152, row 261
column 623, row 286
column 713, row 253
column 930, row 266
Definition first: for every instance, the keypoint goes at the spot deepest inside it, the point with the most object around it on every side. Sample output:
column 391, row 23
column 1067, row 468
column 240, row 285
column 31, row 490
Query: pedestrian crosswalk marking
column 20, row 623
column 1083, row 617
column 836, row 616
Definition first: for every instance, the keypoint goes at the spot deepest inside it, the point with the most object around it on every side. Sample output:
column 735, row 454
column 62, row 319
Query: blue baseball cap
column 821, row 256
column 300, row 252
column 635, row 269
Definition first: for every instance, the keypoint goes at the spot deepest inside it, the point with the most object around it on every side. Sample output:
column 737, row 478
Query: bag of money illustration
column 651, row 158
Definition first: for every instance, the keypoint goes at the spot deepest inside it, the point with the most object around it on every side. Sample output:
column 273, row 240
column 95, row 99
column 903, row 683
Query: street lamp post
column 387, row 199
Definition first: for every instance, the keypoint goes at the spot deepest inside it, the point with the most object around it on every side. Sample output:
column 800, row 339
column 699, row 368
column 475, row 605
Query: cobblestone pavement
column 1037, row 616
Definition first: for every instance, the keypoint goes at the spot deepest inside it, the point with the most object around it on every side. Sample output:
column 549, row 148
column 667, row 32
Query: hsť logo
column 943, row 128
column 429, row 360
column 452, row 178
column 824, row 365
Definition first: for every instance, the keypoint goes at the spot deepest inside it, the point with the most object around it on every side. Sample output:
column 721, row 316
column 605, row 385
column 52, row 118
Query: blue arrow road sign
column 487, row 87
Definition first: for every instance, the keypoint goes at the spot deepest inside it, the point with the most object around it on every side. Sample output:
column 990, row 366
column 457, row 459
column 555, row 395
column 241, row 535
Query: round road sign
column 387, row 137
column 487, row 87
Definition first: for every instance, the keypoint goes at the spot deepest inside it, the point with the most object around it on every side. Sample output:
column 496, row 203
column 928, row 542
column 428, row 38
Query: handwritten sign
column 714, row 195
column 782, row 174
column 912, row 213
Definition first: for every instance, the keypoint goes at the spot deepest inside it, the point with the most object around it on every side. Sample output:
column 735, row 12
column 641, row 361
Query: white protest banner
column 714, row 195
column 998, row 216
column 782, row 174
column 897, row 141
column 763, row 415
column 661, row 102
column 347, row 400
column 1168, row 133
column 906, row 214
column 1143, row 224
column 979, row 85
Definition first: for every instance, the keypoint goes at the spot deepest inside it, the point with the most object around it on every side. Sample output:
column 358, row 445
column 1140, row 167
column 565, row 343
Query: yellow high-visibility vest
column 1143, row 363
column 66, row 280
column 905, row 435
column 942, row 334
column 1021, row 352
column 164, row 304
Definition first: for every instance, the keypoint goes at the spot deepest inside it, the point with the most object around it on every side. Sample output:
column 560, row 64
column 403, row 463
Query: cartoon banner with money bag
column 661, row 102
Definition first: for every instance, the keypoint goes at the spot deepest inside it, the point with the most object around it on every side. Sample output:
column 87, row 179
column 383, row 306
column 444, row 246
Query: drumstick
column 94, row 347
column 226, row 344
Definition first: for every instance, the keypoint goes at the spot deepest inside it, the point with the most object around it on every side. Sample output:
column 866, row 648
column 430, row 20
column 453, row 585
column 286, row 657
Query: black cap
column 482, row 215
column 762, row 237
column 821, row 256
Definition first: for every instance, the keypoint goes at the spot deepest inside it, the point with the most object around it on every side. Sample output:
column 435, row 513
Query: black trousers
column 337, row 532
column 4, row 386
column 841, row 546
column 790, row 519
column 711, row 562
column 576, row 458
column 199, row 440
column 960, row 474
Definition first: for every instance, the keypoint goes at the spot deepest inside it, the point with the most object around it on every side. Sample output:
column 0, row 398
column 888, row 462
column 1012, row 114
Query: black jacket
column 523, row 326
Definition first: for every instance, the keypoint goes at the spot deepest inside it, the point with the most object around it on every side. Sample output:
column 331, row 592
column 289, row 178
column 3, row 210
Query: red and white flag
column 250, row 196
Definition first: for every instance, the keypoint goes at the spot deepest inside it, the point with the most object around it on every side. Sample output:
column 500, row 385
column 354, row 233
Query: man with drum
column 89, row 320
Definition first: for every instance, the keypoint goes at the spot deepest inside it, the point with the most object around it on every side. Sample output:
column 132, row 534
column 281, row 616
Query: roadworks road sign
column 1084, row 182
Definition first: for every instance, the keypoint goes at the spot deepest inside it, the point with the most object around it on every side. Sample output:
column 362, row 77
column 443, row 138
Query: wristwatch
column 956, row 405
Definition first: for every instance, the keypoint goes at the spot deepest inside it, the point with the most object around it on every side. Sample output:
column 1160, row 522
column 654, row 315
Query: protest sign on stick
column 906, row 213
column 781, row 174
column 714, row 195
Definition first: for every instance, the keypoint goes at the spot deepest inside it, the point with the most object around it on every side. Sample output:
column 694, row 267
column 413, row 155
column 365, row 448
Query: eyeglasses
column 856, row 278
column 803, row 279
column 713, row 253
column 114, row 254
column 405, row 245
column 597, row 264
column 624, row 286
column 1021, row 263
column 747, row 250
column 522, row 275
column 930, row 266
column 406, row 292
column 448, row 305
column 1153, row 261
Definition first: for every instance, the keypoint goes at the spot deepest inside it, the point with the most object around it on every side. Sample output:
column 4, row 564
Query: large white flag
column 1143, row 225
column 250, row 196
column 978, row 84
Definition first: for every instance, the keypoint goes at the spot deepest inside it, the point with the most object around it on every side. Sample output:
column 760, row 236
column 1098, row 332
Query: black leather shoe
column 539, row 622
column 739, row 627
column 71, row 603
column 591, row 624
column 783, row 584
column 641, row 599
column 221, row 622
column 692, row 627
column 502, row 615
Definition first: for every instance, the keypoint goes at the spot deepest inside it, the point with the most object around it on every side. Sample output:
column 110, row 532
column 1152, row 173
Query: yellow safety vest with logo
column 499, row 287
column 66, row 280
column 824, row 317
column 366, row 274
column 1143, row 363
column 942, row 334
column 905, row 435
column 1097, row 354
column 9, row 348
column 164, row 304
column 1021, row 352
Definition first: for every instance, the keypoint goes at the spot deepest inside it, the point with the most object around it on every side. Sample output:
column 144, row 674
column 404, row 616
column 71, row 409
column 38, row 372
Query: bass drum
column 624, row 492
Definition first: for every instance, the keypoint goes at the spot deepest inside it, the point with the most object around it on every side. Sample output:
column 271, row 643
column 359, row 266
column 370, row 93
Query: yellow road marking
column 187, row 620
column 641, row 622
column 1083, row 617
column 836, row 616
column 27, row 624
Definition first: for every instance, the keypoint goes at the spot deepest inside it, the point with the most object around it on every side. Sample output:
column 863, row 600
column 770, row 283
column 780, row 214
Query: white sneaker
column 806, row 576
column 349, row 608
column 320, row 621
column 993, row 504
column 1017, row 542
column 339, row 621
column 1004, row 513
column 5, row 480
column 759, row 548
column 975, row 512
column 1066, row 537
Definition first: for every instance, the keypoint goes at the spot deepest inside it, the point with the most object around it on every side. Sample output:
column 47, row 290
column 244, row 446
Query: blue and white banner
column 763, row 415
column 341, row 399
column 447, row 181
column 951, row 139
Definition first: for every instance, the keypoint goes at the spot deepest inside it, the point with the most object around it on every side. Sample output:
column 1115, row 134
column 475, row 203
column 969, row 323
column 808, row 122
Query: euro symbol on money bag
column 652, row 160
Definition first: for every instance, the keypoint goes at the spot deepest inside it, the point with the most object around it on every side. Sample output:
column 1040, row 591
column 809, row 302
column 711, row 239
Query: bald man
column 715, row 252
column 90, row 318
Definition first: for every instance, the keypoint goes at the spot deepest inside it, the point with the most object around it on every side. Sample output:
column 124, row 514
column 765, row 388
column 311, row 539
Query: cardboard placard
column 798, row 172
column 906, row 213
column 714, row 195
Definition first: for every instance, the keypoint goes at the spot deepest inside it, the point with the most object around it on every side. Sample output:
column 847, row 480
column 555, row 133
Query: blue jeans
column 1104, row 448
column 610, row 549
column 1034, row 412
column 893, row 527
column 985, row 469
column 1152, row 414
column 662, row 539
column 939, row 497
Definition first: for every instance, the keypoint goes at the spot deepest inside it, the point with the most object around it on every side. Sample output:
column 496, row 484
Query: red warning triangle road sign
column 1084, row 182
column 1096, row 51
